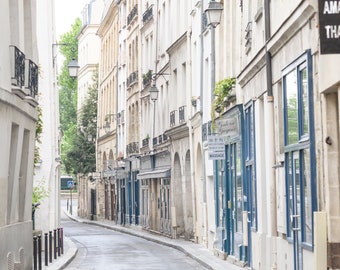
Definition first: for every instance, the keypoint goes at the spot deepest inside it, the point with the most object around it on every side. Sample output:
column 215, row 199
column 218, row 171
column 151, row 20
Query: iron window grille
column 147, row 15
column 18, row 67
column 31, row 77
column 133, row 13
column 172, row 118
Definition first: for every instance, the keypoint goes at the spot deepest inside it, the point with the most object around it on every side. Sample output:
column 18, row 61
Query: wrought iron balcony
column 18, row 67
column 145, row 142
column 160, row 138
column 206, row 130
column 31, row 78
column 133, row 13
column 172, row 118
column 132, row 79
column 132, row 148
column 147, row 15
column 181, row 114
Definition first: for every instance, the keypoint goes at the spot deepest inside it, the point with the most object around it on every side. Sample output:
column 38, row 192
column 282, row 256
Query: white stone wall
column 17, row 121
column 47, row 173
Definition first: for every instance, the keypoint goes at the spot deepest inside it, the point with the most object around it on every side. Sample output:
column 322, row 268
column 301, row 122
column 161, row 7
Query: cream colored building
column 47, row 170
column 107, row 110
column 88, row 60
column 18, row 115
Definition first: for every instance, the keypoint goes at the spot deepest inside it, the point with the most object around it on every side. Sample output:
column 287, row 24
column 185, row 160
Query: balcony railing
column 18, row 67
column 206, row 130
column 147, row 15
column 32, row 77
column 132, row 148
column 133, row 13
column 172, row 118
column 145, row 142
column 181, row 114
column 132, row 79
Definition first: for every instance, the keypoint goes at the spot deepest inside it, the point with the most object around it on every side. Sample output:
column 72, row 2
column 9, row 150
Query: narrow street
column 100, row 248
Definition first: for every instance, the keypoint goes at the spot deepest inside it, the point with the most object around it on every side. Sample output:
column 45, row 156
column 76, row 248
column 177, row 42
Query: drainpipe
column 270, row 144
column 191, row 139
column 202, row 97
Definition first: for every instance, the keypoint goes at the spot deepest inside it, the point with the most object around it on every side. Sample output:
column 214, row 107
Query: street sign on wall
column 216, row 147
column 329, row 26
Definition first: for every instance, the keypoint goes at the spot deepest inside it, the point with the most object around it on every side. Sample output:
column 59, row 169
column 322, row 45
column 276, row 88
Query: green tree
column 81, row 157
column 68, row 93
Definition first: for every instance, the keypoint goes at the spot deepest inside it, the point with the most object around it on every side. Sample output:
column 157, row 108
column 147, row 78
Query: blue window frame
column 250, row 163
column 299, row 147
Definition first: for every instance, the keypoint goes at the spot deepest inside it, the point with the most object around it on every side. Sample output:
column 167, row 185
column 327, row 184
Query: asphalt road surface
column 100, row 248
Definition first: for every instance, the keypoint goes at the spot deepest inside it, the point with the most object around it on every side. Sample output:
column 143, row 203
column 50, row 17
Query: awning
column 154, row 174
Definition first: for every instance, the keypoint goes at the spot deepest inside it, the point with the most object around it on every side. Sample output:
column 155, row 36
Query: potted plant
column 147, row 78
column 223, row 92
column 194, row 101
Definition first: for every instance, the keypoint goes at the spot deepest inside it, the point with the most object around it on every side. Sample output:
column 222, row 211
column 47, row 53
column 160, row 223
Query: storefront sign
column 228, row 126
column 329, row 25
column 216, row 147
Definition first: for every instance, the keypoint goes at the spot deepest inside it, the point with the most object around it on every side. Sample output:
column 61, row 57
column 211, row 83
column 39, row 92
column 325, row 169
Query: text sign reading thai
column 216, row 147
column 329, row 24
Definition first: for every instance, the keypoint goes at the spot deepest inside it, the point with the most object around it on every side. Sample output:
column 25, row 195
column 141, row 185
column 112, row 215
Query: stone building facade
column 18, row 116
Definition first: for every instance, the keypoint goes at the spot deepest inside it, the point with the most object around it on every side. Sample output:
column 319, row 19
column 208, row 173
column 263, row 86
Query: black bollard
column 34, row 252
column 55, row 243
column 50, row 246
column 39, row 252
column 62, row 240
column 58, row 242
column 46, row 249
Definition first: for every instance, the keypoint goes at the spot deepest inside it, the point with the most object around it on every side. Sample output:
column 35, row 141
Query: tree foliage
column 68, row 93
column 81, row 157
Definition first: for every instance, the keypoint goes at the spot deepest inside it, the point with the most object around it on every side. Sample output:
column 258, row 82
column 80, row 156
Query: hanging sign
column 329, row 25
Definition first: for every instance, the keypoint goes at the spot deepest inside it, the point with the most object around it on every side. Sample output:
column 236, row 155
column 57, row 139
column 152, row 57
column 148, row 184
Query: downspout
column 191, row 139
column 270, row 144
column 203, row 177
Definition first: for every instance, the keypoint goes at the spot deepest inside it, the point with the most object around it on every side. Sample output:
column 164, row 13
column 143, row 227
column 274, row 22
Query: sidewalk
column 70, row 251
column 195, row 251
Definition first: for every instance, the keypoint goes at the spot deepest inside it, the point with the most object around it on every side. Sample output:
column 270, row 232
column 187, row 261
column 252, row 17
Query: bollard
column 50, row 245
column 39, row 252
column 46, row 249
column 34, row 252
column 58, row 242
column 55, row 243
column 62, row 240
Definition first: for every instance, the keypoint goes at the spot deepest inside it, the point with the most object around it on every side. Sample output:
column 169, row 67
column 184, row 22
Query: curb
column 64, row 261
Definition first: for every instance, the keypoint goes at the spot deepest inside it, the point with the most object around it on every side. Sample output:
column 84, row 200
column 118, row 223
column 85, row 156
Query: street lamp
column 154, row 93
column 73, row 68
column 213, row 12
column 153, row 96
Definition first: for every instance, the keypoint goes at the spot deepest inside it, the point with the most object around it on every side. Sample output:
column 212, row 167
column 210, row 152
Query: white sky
column 66, row 11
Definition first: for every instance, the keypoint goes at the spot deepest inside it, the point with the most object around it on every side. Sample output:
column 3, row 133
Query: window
column 250, row 162
column 299, row 149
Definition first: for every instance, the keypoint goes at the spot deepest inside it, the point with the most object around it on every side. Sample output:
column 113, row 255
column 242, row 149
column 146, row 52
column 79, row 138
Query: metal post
column 34, row 252
column 39, row 251
column 71, row 201
column 55, row 243
column 59, row 242
column 46, row 249
column 50, row 246
column 62, row 240
column 213, row 63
